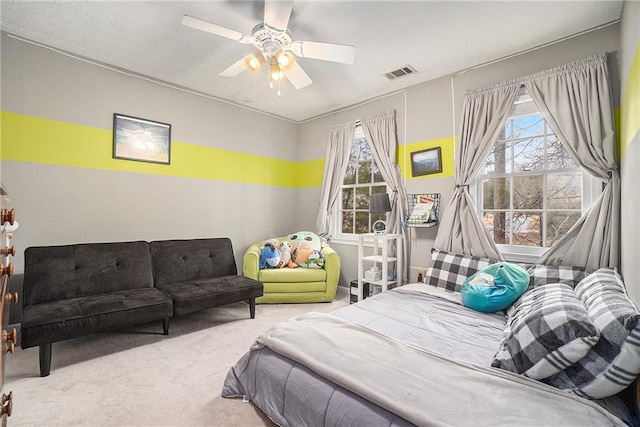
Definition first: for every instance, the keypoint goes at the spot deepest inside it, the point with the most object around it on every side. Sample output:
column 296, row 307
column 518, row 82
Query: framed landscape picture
column 140, row 139
column 426, row 162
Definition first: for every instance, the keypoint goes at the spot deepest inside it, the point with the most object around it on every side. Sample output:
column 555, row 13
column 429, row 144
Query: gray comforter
column 401, row 358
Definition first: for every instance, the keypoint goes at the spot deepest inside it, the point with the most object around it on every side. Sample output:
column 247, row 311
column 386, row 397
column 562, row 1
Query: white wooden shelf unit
column 379, row 257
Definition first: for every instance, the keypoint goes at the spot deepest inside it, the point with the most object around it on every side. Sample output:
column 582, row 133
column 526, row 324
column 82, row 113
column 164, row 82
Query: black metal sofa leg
column 45, row 359
column 165, row 326
column 252, row 307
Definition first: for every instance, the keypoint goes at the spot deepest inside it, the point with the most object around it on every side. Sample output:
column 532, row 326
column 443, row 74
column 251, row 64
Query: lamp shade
column 379, row 203
column 274, row 72
column 253, row 62
column 284, row 59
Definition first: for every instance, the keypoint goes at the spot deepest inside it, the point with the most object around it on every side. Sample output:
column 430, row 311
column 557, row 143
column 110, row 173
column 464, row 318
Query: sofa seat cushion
column 195, row 295
column 292, row 275
column 289, row 287
column 69, row 318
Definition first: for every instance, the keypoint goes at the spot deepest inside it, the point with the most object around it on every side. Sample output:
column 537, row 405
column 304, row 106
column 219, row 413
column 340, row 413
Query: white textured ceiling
column 435, row 37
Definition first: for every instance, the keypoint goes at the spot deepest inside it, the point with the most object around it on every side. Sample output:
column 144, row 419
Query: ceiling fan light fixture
column 275, row 73
column 272, row 39
column 285, row 59
column 254, row 62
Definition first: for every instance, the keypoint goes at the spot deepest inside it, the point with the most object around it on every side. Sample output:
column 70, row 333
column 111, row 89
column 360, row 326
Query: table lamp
column 379, row 203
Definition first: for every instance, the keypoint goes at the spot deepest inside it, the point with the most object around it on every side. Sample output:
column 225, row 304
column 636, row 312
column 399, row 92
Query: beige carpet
column 139, row 377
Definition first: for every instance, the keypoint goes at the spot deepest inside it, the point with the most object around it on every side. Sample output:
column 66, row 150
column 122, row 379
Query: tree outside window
column 531, row 189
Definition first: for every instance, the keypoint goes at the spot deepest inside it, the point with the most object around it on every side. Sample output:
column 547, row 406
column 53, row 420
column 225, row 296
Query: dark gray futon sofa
column 75, row 290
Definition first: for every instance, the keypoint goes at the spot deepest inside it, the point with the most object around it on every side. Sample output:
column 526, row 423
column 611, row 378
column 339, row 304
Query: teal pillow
column 495, row 287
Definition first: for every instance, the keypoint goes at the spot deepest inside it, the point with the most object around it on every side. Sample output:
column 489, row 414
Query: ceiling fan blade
column 235, row 69
column 325, row 51
column 277, row 13
column 297, row 76
column 199, row 24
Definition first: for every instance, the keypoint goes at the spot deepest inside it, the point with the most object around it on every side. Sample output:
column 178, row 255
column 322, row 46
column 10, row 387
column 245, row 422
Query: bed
column 416, row 356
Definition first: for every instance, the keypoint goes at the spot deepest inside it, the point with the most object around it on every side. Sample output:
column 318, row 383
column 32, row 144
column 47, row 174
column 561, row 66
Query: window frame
column 352, row 238
column 592, row 187
column 515, row 253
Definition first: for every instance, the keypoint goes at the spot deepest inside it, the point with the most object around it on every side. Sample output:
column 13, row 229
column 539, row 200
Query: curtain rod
column 484, row 64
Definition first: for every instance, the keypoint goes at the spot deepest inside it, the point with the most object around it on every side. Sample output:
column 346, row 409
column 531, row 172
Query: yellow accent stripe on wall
column 32, row 139
column 309, row 173
column 630, row 105
column 37, row 140
column 446, row 151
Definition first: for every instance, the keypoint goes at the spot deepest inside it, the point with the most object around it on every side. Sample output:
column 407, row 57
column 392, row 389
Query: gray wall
column 59, row 204
column 629, row 171
column 428, row 109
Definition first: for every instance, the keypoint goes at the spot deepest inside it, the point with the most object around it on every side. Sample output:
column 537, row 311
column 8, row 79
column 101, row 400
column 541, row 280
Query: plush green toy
column 306, row 249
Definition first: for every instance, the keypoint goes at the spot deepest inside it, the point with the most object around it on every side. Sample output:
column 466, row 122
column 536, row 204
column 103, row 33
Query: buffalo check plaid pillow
column 449, row 270
column 614, row 362
column 548, row 329
column 545, row 274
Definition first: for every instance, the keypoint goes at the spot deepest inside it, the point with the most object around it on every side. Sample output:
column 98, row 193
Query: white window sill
column 344, row 241
column 518, row 257
column 352, row 241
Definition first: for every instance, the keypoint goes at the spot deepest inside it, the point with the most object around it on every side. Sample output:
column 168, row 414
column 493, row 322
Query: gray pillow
column 545, row 274
column 449, row 270
column 614, row 362
column 547, row 330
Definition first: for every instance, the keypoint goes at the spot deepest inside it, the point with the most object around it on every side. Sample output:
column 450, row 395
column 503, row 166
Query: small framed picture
column 426, row 162
column 141, row 140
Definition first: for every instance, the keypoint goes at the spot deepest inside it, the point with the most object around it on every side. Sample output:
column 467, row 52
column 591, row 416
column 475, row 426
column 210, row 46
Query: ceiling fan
column 273, row 41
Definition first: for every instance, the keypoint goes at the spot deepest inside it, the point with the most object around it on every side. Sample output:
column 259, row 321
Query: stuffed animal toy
column 285, row 252
column 272, row 242
column 303, row 243
column 315, row 260
column 270, row 255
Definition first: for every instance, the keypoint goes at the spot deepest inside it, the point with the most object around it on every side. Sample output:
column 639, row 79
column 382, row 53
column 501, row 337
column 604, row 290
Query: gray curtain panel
column 576, row 101
column 337, row 159
column 380, row 132
column 485, row 112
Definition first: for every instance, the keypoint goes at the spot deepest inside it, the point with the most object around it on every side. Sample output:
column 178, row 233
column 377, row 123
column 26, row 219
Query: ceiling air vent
column 400, row 72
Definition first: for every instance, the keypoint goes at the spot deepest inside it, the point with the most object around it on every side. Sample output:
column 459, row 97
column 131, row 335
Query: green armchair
column 293, row 285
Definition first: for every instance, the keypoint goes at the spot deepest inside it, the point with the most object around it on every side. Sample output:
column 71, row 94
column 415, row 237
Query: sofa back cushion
column 53, row 273
column 176, row 261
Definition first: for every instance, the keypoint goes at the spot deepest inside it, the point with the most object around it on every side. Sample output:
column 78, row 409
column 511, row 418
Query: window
column 530, row 189
column 361, row 180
